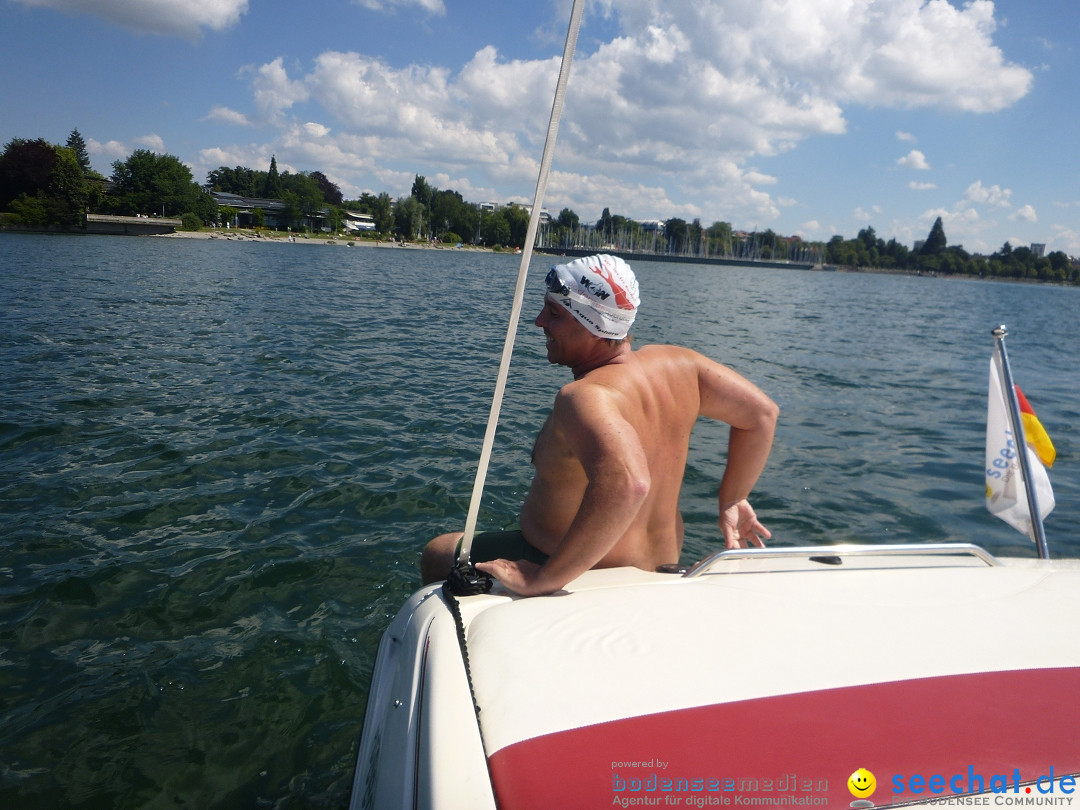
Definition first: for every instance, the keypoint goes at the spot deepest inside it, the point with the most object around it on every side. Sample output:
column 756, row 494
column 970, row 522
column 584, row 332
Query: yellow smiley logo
column 862, row 783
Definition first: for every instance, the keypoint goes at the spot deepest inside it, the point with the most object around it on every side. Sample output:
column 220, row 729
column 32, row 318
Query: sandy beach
column 274, row 237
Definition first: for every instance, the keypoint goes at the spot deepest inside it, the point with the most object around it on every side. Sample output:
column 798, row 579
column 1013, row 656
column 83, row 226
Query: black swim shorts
column 509, row 545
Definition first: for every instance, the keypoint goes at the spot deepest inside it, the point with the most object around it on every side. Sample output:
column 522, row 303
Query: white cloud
column 960, row 219
column 1024, row 214
column 994, row 195
column 1066, row 240
column 677, row 107
column 914, row 186
column 227, row 116
column 118, row 150
column 110, row 150
column 914, row 160
column 431, row 6
column 274, row 91
column 907, row 137
column 184, row 18
column 316, row 130
column 153, row 142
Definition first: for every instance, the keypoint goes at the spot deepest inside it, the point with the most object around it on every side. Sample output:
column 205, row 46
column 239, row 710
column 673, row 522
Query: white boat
column 784, row 677
column 763, row 677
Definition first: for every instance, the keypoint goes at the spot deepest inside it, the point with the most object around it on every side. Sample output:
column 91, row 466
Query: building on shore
column 250, row 212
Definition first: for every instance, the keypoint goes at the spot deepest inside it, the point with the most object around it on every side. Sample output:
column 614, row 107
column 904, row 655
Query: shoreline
column 243, row 235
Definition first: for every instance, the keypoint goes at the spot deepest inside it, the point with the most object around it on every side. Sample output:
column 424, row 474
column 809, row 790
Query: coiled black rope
column 465, row 580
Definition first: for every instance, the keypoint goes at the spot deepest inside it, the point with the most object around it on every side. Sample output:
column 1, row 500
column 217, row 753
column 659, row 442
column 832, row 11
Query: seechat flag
column 1005, row 493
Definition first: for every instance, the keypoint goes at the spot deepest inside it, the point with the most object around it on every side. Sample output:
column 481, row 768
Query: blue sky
column 810, row 117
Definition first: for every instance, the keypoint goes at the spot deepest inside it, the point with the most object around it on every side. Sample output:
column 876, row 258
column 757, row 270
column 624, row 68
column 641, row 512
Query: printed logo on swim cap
column 600, row 291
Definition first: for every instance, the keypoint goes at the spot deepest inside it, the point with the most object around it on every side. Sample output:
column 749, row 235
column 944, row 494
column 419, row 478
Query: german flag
column 1034, row 432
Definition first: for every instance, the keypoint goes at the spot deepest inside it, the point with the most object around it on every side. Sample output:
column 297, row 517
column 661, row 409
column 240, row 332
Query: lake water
column 219, row 462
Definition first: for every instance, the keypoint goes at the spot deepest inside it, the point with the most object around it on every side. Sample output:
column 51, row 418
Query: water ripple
column 219, row 461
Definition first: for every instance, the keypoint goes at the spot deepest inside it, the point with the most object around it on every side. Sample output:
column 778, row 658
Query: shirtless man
column 611, row 456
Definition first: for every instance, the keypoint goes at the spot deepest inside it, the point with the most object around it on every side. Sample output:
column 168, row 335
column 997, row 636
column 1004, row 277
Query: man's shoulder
column 668, row 355
column 666, row 350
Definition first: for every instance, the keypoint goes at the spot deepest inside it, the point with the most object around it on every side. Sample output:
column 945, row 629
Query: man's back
column 650, row 400
column 610, row 458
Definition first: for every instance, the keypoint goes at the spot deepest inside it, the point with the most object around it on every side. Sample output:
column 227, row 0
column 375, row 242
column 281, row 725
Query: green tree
column 76, row 143
column 241, row 180
column 228, row 214
column 408, row 217
column 273, row 188
column 517, row 217
column 32, row 212
column 494, row 229
column 331, row 194
column 382, row 211
column 604, row 227
column 449, row 212
column 25, row 169
column 423, row 193
column 935, row 242
column 568, row 219
column 43, row 184
column 718, row 239
column 291, row 210
column 160, row 184
column 67, row 190
column 304, row 192
column 1059, row 266
column 677, row 232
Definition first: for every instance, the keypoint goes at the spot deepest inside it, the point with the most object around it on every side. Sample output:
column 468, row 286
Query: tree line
column 45, row 185
column 935, row 256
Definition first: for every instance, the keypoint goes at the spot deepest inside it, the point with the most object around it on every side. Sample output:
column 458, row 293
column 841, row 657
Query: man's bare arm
column 730, row 397
column 615, row 465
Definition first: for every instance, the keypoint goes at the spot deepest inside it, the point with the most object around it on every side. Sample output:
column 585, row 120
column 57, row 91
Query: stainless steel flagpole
column 1039, row 535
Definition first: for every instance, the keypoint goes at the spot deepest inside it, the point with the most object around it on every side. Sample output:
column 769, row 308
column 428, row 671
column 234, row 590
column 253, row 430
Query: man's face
column 567, row 339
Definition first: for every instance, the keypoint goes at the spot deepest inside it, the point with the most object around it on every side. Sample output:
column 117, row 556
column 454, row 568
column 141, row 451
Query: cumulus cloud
column 994, row 195
column 914, row 160
column 184, row 18
column 1065, row 239
column 1024, row 214
column 316, row 130
column 109, row 150
column 274, row 91
column 227, row 116
column 153, row 142
column 907, row 137
column 113, row 151
column 431, row 6
column 686, row 97
column 962, row 220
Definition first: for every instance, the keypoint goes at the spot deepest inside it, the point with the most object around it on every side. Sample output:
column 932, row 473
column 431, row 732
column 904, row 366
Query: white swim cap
column 600, row 291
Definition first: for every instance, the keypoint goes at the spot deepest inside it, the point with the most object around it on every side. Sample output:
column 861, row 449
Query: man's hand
column 519, row 576
column 741, row 527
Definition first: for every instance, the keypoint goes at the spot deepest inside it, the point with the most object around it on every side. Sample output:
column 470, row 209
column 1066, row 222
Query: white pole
column 519, row 290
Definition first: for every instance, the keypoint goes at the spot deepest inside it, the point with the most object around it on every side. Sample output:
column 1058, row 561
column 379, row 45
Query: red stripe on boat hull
column 808, row 744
